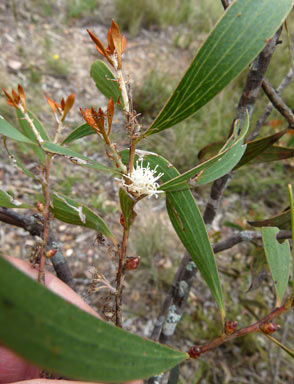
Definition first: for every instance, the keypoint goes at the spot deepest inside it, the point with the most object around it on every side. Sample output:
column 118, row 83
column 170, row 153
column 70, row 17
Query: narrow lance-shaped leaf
column 76, row 158
column 69, row 211
column 8, row 201
column 278, row 258
column 81, row 131
column 236, row 40
column 105, row 81
column 274, row 153
column 282, row 221
column 9, row 131
column 257, row 147
column 59, row 337
column 219, row 165
column 188, row 223
column 254, row 149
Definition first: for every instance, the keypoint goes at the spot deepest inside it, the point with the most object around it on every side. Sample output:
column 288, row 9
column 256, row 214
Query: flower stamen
column 143, row 180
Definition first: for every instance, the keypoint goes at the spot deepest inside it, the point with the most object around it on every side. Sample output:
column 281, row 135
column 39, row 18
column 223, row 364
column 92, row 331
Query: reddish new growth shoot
column 96, row 119
column 116, row 45
column 63, row 108
column 16, row 99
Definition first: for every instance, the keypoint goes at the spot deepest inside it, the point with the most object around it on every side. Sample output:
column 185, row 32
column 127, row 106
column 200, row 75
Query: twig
column 238, row 237
column 119, row 278
column 46, row 213
column 260, row 122
column 278, row 102
column 35, row 228
column 256, row 327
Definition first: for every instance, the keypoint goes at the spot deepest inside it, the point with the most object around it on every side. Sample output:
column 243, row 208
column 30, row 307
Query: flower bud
column 122, row 220
column 194, row 352
column 269, row 327
column 40, row 206
column 51, row 253
column 230, row 327
column 132, row 263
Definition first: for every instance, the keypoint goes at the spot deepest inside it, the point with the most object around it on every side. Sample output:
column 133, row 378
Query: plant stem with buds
column 46, row 212
column 256, row 327
column 119, row 278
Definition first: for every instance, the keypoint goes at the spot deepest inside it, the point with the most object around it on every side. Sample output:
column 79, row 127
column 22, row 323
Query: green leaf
column 8, row 201
column 27, row 131
column 61, row 338
column 257, row 147
column 188, row 223
column 289, row 351
column 214, row 168
column 278, row 258
column 81, row 131
column 127, row 205
column 282, row 221
column 8, row 130
column 235, row 41
column 69, row 211
column 274, row 153
column 105, row 81
column 76, row 158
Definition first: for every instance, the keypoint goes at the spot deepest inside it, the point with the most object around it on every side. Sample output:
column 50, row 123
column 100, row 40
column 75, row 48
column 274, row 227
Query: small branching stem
column 111, row 148
column 256, row 327
column 124, row 92
column 58, row 130
column 119, row 278
column 32, row 125
column 46, row 212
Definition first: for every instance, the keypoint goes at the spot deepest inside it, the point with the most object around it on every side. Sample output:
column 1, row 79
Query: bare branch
column 30, row 224
column 241, row 236
column 260, row 122
column 278, row 102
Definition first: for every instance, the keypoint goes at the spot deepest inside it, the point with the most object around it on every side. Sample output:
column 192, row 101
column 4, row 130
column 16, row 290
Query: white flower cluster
column 143, row 180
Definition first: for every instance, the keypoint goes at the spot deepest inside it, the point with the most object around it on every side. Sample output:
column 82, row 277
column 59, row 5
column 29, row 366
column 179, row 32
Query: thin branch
column 241, row 236
column 278, row 102
column 256, row 327
column 261, row 121
column 35, row 228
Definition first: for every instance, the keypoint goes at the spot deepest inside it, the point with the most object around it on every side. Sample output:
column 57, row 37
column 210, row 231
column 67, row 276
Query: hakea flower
column 143, row 180
column 116, row 45
column 96, row 119
column 16, row 99
column 63, row 108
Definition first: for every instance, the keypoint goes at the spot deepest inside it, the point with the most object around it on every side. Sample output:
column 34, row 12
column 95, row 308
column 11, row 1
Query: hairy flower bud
column 230, row 327
column 269, row 327
column 40, row 206
column 132, row 263
column 50, row 253
column 194, row 352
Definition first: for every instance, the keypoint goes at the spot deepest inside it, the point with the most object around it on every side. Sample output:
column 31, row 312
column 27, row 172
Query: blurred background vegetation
column 46, row 49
